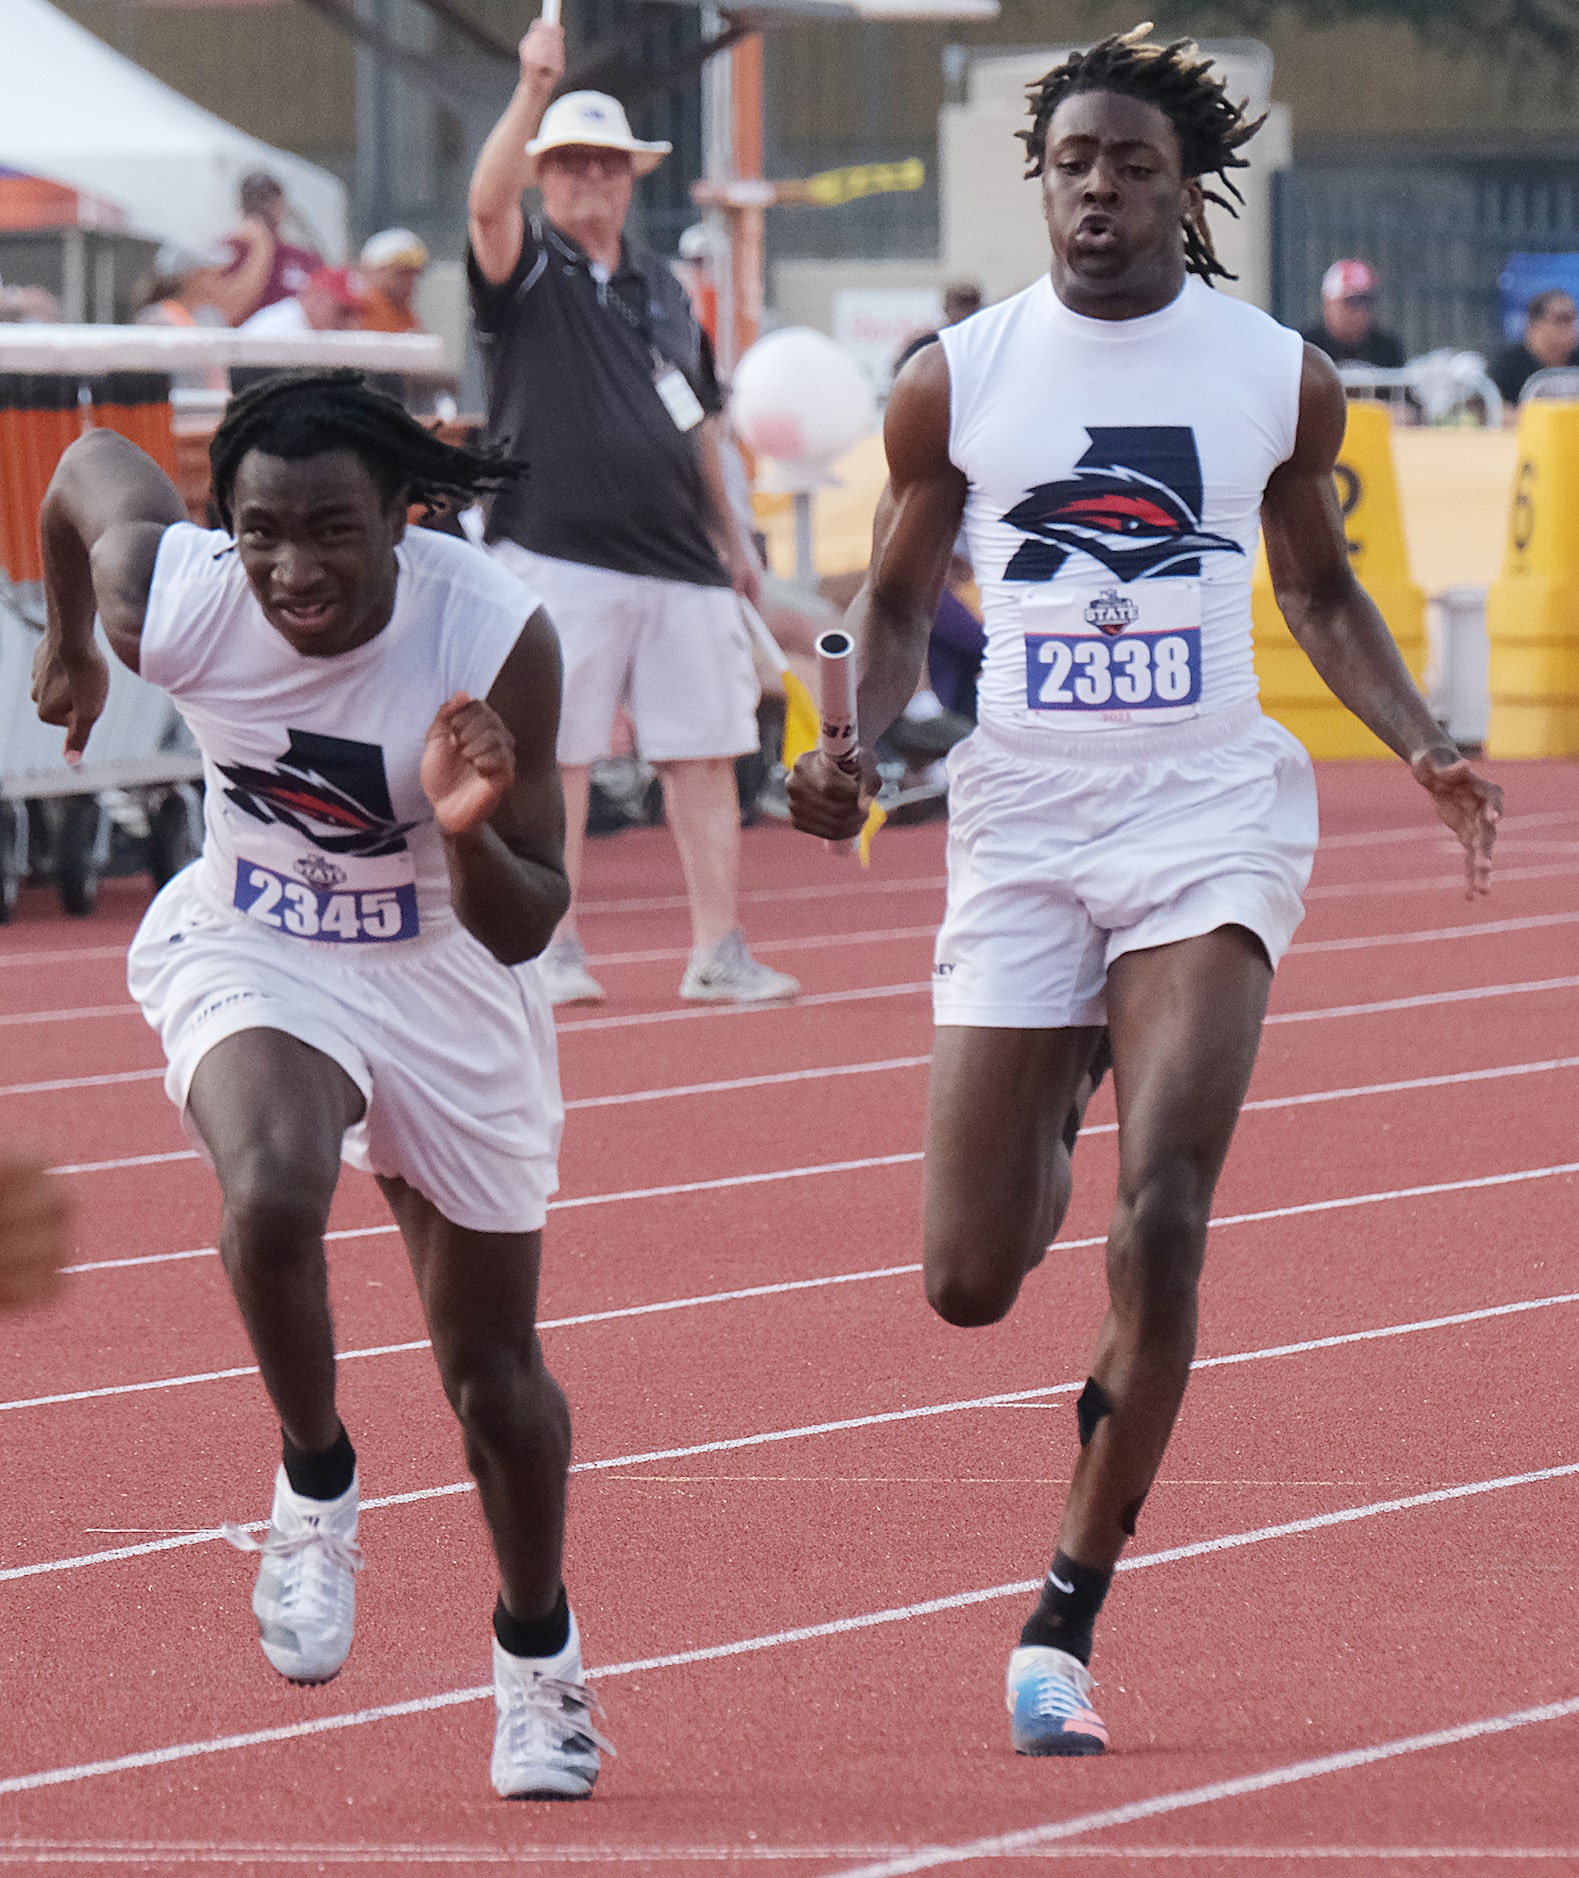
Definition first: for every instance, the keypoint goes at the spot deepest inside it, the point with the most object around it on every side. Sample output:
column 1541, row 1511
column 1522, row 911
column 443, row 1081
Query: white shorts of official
column 1067, row 850
column 453, row 1052
column 675, row 655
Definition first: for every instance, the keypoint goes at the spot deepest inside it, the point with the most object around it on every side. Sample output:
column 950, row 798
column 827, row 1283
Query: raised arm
column 1342, row 631
column 503, row 168
column 891, row 616
column 100, row 525
column 490, row 772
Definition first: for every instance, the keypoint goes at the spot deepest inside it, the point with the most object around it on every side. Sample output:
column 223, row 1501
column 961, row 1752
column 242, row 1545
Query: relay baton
column 550, row 12
column 840, row 736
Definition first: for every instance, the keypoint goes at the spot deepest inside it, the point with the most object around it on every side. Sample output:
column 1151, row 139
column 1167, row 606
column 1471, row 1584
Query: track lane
column 596, row 1249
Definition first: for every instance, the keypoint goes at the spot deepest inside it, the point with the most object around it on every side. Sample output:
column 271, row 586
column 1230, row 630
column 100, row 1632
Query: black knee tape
column 1092, row 1406
column 1130, row 1514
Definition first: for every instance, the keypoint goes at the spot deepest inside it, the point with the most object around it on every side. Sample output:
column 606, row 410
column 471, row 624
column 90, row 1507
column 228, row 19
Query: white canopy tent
column 75, row 111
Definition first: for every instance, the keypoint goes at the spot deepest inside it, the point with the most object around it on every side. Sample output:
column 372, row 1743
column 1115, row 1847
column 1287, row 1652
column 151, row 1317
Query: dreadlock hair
column 1179, row 82
column 301, row 414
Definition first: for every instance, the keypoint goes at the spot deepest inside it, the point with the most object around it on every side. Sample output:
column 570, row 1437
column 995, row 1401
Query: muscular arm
column 507, row 872
column 100, row 525
column 503, row 169
column 1341, row 629
column 891, row 616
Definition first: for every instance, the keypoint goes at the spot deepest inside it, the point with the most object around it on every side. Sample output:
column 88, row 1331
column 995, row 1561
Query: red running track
column 806, row 1513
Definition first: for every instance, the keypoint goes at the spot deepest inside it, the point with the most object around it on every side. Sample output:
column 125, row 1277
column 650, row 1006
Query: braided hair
column 301, row 414
column 1179, row 82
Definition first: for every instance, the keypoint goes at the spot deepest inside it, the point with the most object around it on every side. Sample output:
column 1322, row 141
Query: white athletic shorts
column 1067, row 850
column 675, row 655
column 453, row 1052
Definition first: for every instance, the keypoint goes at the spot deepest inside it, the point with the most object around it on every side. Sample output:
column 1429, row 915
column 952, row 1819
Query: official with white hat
column 600, row 377
column 592, row 120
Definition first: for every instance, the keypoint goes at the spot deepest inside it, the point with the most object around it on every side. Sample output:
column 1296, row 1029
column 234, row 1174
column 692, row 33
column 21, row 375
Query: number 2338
column 1141, row 671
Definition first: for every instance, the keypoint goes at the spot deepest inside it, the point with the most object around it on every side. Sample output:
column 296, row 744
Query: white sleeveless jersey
column 1116, row 470
column 317, row 827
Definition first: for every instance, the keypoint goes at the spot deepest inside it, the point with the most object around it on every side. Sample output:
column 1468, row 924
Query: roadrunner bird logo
column 1133, row 504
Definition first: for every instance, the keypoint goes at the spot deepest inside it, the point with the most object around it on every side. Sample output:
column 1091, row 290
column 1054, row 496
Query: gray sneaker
column 730, row 975
column 565, row 975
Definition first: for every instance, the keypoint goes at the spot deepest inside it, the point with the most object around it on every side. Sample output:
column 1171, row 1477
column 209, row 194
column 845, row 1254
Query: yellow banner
column 831, row 187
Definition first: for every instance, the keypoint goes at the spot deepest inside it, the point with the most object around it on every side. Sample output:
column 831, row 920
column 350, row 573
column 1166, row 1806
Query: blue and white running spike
column 1049, row 1704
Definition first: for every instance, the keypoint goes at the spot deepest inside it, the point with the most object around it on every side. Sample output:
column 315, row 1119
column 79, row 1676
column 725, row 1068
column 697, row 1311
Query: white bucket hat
column 593, row 120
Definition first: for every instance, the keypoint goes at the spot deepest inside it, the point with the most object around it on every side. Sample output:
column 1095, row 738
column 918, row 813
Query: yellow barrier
column 1373, row 522
column 1532, row 612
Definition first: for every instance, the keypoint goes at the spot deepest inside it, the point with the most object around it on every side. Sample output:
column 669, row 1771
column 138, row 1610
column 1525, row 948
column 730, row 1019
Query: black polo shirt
column 613, row 481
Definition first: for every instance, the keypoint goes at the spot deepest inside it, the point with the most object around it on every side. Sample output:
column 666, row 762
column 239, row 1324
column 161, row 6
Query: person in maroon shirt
column 265, row 268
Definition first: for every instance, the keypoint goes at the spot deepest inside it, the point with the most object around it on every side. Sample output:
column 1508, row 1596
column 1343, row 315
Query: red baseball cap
column 1348, row 280
column 345, row 285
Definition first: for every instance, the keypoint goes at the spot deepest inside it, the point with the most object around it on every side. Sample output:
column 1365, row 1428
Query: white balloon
column 800, row 399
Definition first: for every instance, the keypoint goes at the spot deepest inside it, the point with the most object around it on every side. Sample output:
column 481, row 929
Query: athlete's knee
column 504, row 1396
column 276, row 1202
column 970, row 1294
column 1159, row 1236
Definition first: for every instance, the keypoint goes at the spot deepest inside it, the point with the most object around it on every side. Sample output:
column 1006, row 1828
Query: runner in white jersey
column 1129, row 836
column 345, row 973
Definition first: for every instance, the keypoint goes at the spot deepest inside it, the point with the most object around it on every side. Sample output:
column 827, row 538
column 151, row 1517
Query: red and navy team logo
column 331, row 791
column 1133, row 504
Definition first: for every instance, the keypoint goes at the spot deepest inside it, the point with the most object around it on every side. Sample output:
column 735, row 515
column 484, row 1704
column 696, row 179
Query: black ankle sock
column 320, row 1476
column 1066, row 1616
column 544, row 1636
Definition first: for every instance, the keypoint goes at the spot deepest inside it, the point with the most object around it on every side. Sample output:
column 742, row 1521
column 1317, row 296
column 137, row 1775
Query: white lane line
column 862, row 994
column 1007, row 1844
column 63, row 1017
column 64, row 955
column 696, row 1012
column 162, row 1854
column 773, row 1437
column 843, row 889
column 748, row 1082
column 1487, row 929
column 870, row 1620
column 1426, row 883
column 868, row 993
column 1424, row 1000
column 61, row 1083
column 1259, row 1104
column 178, row 1852
column 807, row 942
column 1378, row 837
column 1376, row 1007
column 126, row 1160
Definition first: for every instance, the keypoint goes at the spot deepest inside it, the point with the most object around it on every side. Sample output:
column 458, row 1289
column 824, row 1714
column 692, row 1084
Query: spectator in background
column 264, row 268
column 330, row 301
column 183, row 288
column 391, row 264
column 961, row 298
column 1551, row 337
column 28, row 306
column 1348, row 332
